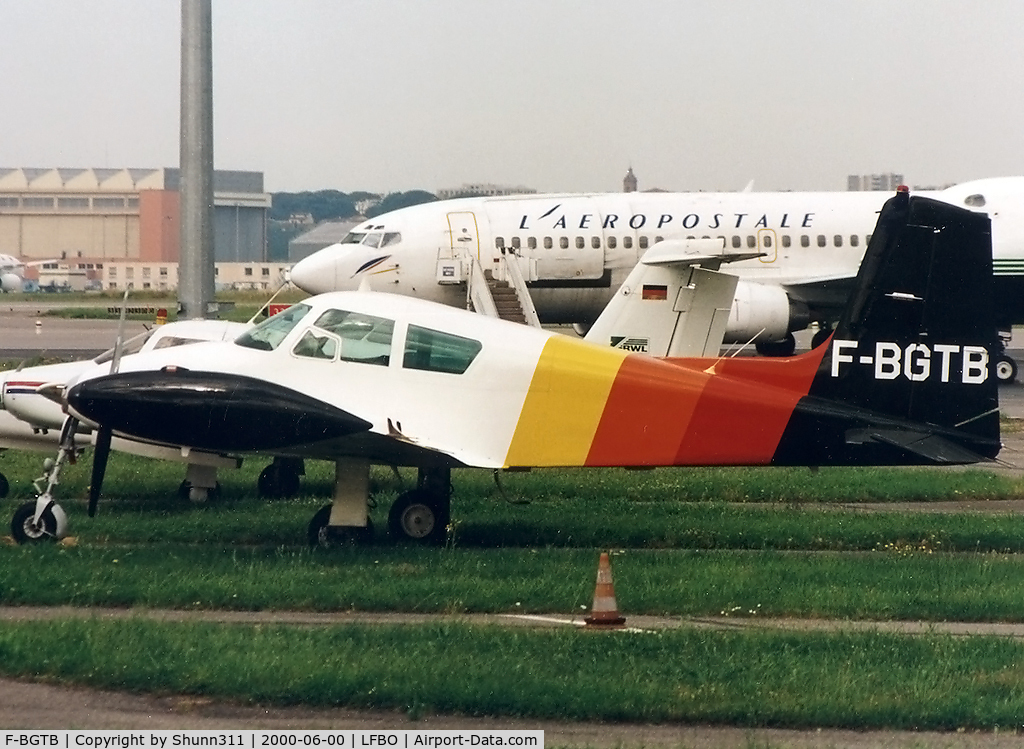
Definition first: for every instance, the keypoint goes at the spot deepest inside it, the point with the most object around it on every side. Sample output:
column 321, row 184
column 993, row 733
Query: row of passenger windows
column 355, row 337
column 643, row 242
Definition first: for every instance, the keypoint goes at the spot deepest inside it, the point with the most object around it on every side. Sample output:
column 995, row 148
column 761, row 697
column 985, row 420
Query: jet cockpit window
column 372, row 239
column 353, row 237
column 390, row 238
column 975, row 201
column 434, row 351
column 268, row 335
column 364, row 338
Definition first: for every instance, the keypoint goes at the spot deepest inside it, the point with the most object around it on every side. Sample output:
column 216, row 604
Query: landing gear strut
column 420, row 515
column 5, row 486
column 44, row 519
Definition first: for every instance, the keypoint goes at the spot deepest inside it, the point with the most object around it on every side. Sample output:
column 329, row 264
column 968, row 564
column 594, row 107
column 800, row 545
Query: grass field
column 740, row 542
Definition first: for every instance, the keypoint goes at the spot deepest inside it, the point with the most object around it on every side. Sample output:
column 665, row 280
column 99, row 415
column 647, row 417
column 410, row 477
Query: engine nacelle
column 10, row 282
column 764, row 311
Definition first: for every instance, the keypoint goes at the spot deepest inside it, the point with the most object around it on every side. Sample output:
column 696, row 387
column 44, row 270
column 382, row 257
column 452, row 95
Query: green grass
column 866, row 680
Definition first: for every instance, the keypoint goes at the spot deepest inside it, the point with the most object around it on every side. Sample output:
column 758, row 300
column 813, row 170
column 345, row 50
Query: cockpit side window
column 353, row 237
column 268, row 335
column 434, row 351
column 364, row 338
column 390, row 238
column 315, row 346
column 975, row 201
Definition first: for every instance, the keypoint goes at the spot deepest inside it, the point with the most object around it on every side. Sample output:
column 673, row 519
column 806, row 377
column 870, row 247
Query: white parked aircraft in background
column 574, row 251
column 11, row 270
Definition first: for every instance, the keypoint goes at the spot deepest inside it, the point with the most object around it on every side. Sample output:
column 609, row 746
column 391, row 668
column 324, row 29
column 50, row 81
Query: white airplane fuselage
column 575, row 250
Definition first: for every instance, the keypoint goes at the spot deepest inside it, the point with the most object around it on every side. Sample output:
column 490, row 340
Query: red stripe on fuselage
column 745, row 407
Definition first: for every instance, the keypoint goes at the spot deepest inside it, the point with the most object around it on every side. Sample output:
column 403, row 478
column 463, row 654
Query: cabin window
column 611, row 243
column 786, row 240
column 531, row 243
column 643, row 242
column 837, row 240
column 821, row 240
column 627, row 242
column 364, row 338
column 805, row 241
column 515, row 243
column 867, row 239
column 314, row 346
column 434, row 351
column 548, row 244
column 595, row 242
column 737, row 241
column 268, row 335
column 499, row 243
column 767, row 240
column 580, row 243
column 854, row 240
column 751, row 241
column 563, row 242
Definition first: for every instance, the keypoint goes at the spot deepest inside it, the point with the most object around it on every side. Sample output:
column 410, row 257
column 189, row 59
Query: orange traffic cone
column 605, row 612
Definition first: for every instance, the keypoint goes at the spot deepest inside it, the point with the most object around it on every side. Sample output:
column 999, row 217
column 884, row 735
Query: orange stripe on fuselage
column 647, row 415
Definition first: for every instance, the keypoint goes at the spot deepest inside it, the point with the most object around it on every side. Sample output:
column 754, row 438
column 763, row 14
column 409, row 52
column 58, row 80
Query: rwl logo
column 636, row 345
column 916, row 362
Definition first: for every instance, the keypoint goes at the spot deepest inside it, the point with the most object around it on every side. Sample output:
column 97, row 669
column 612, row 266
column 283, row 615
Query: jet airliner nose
column 316, row 274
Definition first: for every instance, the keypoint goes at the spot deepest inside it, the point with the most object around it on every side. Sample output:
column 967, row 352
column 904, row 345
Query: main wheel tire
column 820, row 337
column 25, row 531
column 324, row 536
column 5, row 486
column 783, row 347
column 185, row 491
column 276, row 482
column 1006, row 369
column 416, row 516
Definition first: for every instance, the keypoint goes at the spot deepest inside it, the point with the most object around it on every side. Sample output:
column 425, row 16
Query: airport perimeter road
column 25, row 332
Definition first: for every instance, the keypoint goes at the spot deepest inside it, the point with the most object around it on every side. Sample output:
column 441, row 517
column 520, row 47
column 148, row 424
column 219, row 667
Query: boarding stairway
column 502, row 294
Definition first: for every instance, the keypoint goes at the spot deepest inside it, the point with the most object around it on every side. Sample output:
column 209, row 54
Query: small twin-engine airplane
column 363, row 378
column 31, row 421
column 11, row 270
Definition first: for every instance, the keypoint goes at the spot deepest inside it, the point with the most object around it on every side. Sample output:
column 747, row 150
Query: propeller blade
column 99, row 467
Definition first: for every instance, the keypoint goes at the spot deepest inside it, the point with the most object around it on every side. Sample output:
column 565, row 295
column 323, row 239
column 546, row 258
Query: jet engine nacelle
column 765, row 312
column 10, row 282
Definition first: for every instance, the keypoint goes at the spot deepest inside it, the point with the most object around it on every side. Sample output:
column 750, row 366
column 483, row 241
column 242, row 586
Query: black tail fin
column 918, row 340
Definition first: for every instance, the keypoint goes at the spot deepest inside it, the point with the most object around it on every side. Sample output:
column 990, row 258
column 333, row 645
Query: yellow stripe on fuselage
column 564, row 404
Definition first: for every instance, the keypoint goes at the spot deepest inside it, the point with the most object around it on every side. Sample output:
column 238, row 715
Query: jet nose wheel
column 51, row 526
column 416, row 516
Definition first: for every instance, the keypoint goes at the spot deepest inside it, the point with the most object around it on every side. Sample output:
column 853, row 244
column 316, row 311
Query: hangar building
column 97, row 216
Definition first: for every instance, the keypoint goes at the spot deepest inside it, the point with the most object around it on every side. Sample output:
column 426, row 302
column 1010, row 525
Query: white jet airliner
column 575, row 250
column 11, row 270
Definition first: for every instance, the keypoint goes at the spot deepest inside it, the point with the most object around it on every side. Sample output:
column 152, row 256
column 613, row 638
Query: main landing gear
column 280, row 479
column 420, row 515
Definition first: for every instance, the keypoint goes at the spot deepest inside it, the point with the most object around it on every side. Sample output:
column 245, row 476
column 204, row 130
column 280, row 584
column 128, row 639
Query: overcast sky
column 384, row 95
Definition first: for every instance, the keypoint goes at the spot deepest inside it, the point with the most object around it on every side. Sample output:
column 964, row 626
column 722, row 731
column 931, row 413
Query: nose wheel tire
column 25, row 531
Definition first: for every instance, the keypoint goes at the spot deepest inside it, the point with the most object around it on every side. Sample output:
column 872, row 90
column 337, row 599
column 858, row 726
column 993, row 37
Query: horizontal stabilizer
column 927, row 445
column 707, row 253
column 671, row 304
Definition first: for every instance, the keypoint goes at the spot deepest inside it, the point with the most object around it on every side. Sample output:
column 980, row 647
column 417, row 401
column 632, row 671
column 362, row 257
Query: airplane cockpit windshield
column 268, row 335
column 373, row 239
column 132, row 346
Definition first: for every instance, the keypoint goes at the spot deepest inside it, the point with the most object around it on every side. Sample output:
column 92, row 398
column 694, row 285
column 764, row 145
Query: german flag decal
column 655, row 293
